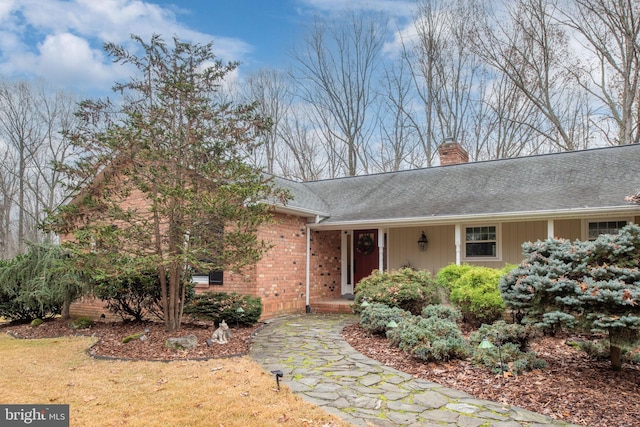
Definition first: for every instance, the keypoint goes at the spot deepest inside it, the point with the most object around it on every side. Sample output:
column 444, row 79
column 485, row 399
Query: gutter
column 577, row 213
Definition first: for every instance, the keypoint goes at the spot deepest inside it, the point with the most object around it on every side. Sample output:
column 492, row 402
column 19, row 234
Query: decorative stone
column 182, row 343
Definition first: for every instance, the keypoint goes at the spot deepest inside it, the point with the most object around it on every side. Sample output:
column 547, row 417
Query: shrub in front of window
column 430, row 339
column 406, row 288
column 593, row 286
column 219, row 306
column 448, row 275
column 375, row 318
column 477, row 295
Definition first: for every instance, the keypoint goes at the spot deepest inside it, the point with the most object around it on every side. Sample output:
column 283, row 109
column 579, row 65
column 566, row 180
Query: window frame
column 587, row 222
column 498, row 241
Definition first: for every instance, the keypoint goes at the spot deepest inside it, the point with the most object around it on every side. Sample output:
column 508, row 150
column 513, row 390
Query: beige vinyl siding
column 403, row 247
column 570, row 229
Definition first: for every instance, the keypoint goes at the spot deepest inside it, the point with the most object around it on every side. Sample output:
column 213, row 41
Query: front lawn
column 217, row 392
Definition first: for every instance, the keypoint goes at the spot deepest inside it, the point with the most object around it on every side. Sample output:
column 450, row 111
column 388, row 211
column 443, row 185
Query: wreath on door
column 365, row 244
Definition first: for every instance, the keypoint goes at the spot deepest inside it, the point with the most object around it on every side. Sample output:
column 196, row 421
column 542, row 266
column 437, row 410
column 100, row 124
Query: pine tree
column 163, row 178
column 593, row 285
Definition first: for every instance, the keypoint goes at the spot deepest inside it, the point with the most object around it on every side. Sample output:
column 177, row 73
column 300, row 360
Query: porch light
column 422, row 242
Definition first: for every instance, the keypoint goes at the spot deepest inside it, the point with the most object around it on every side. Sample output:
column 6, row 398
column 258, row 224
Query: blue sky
column 60, row 41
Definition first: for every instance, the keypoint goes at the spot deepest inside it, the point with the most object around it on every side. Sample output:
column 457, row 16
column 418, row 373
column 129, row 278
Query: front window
column 481, row 242
column 596, row 228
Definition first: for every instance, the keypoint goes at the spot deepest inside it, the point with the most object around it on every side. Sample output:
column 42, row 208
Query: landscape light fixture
column 364, row 303
column 392, row 324
column 422, row 242
column 278, row 373
column 240, row 311
column 486, row 344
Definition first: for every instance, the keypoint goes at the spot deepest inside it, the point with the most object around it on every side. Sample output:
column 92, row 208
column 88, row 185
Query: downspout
column 550, row 229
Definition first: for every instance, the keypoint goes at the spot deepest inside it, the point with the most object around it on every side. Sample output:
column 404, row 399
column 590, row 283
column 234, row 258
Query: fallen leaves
column 573, row 388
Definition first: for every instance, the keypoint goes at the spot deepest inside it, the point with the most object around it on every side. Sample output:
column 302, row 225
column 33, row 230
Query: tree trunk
column 616, row 357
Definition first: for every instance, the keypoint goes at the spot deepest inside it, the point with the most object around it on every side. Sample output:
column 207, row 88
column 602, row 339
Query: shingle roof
column 596, row 178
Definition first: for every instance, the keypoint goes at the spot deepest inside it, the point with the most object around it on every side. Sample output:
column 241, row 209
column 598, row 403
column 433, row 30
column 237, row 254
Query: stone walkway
column 318, row 364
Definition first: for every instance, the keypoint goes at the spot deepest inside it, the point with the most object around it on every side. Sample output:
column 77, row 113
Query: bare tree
column 33, row 119
column 610, row 31
column 525, row 44
column 334, row 71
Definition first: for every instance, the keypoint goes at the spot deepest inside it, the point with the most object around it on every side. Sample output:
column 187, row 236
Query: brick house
column 335, row 232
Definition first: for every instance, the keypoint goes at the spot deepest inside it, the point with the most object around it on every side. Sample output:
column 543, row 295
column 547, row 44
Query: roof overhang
column 315, row 216
column 574, row 213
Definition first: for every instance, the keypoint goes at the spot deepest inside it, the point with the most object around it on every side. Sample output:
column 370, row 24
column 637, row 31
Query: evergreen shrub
column 477, row 295
column 447, row 276
column 219, row 306
column 376, row 316
column 442, row 312
column 503, row 332
column 133, row 295
column 406, row 288
column 592, row 286
column 430, row 339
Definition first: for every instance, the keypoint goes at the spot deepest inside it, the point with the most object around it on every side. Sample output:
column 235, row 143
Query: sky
column 60, row 41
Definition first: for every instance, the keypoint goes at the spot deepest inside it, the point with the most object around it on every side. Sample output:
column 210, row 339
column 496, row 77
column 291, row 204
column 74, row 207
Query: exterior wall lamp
column 422, row 242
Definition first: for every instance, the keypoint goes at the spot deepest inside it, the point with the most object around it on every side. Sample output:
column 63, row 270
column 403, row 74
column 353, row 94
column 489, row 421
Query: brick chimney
column 452, row 153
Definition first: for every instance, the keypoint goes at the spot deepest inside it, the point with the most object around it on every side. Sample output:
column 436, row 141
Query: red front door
column 365, row 253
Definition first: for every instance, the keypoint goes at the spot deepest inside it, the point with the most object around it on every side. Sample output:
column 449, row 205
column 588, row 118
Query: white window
column 481, row 242
column 596, row 228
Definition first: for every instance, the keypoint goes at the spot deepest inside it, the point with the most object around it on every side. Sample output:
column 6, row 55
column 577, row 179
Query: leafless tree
column 334, row 70
column 33, row 119
column 610, row 32
column 525, row 44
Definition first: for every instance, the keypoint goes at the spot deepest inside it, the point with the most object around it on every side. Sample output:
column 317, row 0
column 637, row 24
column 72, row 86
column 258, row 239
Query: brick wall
column 325, row 268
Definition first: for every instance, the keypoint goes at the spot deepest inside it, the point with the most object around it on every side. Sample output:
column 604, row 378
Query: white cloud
column 61, row 40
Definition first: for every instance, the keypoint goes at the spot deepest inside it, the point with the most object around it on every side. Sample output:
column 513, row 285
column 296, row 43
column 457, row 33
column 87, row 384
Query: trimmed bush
column 376, row 316
column 477, row 295
column 440, row 311
column 429, row 339
column 134, row 295
column 504, row 332
column 406, row 288
column 219, row 306
column 513, row 340
column 447, row 276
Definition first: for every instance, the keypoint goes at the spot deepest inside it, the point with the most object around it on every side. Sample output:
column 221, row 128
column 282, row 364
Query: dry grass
column 220, row 392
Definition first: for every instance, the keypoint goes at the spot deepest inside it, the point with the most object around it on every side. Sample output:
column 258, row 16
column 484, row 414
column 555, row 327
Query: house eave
column 298, row 211
column 538, row 215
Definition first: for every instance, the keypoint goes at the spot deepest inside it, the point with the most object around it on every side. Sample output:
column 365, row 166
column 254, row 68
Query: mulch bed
column 573, row 388
column 153, row 347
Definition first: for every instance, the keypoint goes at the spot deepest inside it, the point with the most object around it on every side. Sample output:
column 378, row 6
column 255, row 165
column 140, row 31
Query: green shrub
column 376, row 316
column 513, row 340
column 513, row 360
column 133, row 295
column 38, row 284
column 80, row 323
column 219, row 306
column 429, row 339
column 504, row 332
column 406, row 288
column 477, row 295
column 36, row 322
column 448, row 275
column 442, row 312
